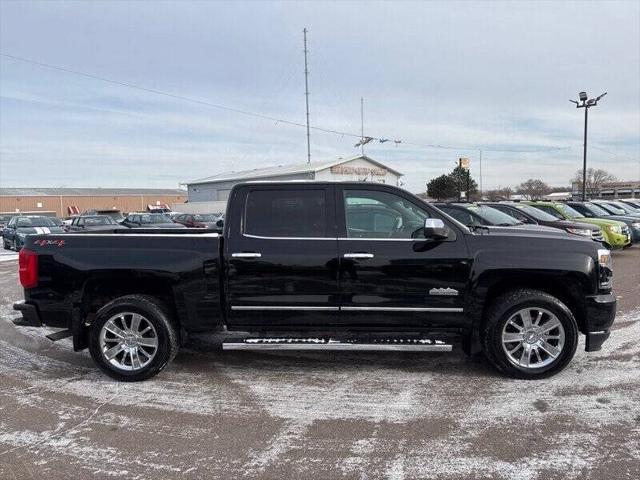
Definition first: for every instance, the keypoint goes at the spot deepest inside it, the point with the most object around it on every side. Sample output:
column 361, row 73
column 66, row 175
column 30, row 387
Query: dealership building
column 214, row 191
column 611, row 190
column 63, row 202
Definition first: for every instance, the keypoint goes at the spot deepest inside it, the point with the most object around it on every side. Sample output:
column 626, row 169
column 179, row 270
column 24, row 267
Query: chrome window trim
column 260, row 237
column 347, row 309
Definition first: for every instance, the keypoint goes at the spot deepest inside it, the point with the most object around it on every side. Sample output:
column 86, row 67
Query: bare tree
column 596, row 178
column 499, row 194
column 533, row 189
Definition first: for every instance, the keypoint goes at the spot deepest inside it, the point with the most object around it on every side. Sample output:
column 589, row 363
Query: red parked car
column 198, row 220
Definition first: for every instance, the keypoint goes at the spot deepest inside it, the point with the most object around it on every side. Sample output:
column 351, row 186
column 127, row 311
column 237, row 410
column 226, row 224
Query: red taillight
column 28, row 263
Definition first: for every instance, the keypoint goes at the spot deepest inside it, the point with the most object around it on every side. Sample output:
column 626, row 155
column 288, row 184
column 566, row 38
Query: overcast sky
column 491, row 75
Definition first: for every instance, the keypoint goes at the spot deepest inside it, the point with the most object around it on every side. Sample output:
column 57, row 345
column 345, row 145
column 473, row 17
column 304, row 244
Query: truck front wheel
column 133, row 338
column 529, row 334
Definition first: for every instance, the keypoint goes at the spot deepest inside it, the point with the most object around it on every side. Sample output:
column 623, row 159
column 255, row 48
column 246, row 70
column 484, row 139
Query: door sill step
column 334, row 345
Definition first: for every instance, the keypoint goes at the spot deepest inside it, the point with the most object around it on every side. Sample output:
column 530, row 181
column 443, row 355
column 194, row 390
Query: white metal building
column 215, row 189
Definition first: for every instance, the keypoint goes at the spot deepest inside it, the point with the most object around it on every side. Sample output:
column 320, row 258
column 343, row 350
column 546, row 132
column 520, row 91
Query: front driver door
column 390, row 275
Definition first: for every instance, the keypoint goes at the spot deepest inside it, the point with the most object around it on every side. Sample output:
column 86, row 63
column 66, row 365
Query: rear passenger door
column 281, row 257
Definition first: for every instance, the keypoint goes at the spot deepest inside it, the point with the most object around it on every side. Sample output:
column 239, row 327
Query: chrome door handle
column 246, row 255
column 358, row 255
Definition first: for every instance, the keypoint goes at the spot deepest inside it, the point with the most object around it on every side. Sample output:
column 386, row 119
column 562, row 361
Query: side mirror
column 435, row 229
column 220, row 223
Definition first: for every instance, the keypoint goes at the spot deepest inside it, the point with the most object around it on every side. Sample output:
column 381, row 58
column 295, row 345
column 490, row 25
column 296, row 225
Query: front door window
column 376, row 214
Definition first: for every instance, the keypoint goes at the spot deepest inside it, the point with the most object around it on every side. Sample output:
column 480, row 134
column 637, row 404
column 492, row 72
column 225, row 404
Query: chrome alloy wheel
column 533, row 338
column 128, row 341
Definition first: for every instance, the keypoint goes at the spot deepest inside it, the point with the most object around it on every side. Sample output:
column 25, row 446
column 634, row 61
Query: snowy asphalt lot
column 293, row 415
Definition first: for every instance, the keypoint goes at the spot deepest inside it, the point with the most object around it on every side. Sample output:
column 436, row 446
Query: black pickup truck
column 322, row 266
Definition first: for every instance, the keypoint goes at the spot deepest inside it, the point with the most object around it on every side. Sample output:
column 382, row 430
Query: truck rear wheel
column 529, row 334
column 133, row 338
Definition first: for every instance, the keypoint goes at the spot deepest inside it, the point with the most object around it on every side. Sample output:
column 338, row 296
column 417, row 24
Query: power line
column 615, row 154
column 264, row 116
column 177, row 97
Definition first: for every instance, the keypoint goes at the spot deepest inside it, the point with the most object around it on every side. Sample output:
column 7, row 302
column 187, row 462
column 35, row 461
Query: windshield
column 536, row 213
column 100, row 220
column 27, row 222
column 493, row 216
column 626, row 208
column 614, row 209
column 568, row 211
column 205, row 217
column 596, row 210
column 155, row 218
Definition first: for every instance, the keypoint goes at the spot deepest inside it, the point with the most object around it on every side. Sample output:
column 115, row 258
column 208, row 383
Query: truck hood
column 533, row 228
column 523, row 232
column 513, row 239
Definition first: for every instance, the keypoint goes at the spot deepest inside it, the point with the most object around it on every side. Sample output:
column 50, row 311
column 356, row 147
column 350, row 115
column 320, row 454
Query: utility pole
column 362, row 125
column 586, row 103
column 306, row 95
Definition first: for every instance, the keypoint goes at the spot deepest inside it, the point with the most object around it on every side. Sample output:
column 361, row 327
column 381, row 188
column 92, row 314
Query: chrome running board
column 398, row 345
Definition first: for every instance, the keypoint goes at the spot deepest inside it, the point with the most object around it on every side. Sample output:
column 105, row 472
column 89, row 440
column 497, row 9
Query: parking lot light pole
column 586, row 103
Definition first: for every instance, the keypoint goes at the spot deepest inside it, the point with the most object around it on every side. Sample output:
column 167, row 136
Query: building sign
column 346, row 170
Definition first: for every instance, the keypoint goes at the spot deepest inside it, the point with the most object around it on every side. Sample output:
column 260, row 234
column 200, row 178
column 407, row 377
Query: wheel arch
column 568, row 287
column 99, row 290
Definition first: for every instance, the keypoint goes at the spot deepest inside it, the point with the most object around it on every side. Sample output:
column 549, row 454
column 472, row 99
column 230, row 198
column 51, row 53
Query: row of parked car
column 616, row 224
column 14, row 229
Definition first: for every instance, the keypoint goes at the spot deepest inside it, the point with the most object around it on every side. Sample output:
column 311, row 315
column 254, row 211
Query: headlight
column 580, row 231
column 636, row 225
column 614, row 228
column 605, row 268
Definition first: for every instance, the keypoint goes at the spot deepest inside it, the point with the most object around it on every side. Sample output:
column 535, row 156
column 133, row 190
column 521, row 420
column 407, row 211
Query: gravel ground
column 295, row 415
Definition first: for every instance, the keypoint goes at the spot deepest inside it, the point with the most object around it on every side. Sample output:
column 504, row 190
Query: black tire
column 499, row 313
column 156, row 313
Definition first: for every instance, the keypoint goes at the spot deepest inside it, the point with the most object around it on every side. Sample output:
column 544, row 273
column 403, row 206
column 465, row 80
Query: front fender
column 570, row 276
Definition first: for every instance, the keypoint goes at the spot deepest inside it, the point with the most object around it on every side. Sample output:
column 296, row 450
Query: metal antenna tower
column 306, row 95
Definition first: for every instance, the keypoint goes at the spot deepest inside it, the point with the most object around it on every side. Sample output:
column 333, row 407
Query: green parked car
column 616, row 234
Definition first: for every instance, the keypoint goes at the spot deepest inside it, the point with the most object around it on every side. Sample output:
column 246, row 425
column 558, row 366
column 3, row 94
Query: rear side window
column 286, row 213
column 551, row 211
